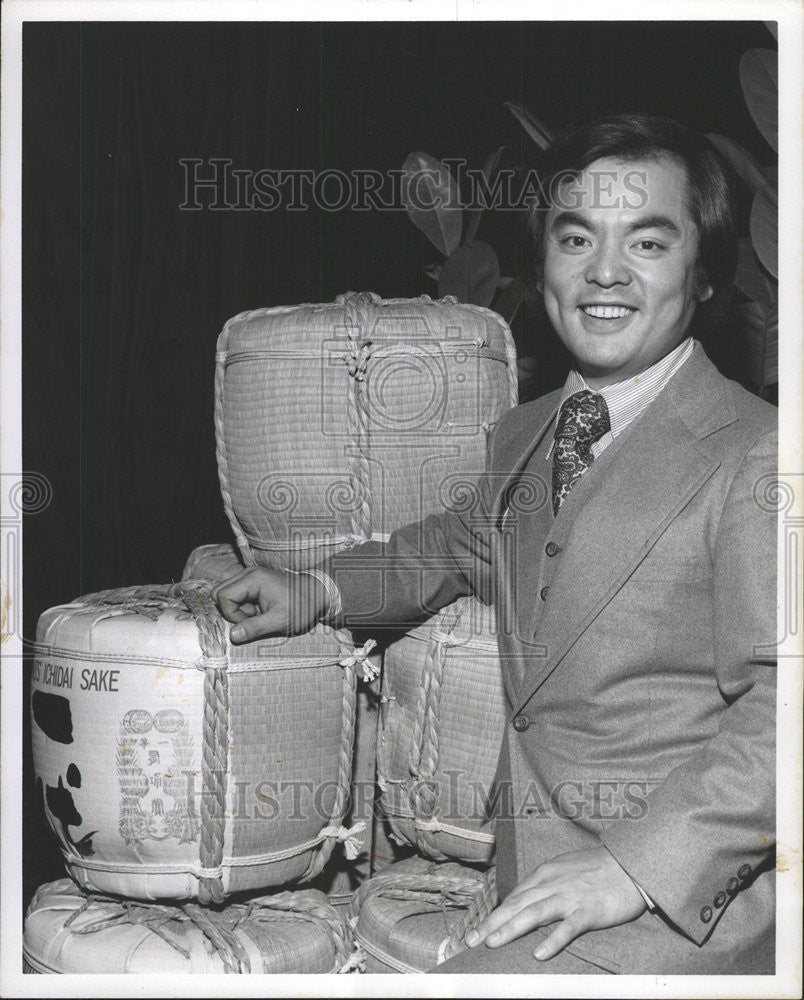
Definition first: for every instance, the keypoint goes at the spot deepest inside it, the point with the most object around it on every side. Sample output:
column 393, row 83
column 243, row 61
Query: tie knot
column 584, row 416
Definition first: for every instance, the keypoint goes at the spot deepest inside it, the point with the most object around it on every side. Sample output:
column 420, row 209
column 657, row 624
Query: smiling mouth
column 607, row 312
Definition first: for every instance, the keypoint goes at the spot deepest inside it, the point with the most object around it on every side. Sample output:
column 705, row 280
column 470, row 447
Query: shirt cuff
column 648, row 901
column 335, row 606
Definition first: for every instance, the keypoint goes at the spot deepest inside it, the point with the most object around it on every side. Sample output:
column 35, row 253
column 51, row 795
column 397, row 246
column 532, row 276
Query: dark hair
column 634, row 136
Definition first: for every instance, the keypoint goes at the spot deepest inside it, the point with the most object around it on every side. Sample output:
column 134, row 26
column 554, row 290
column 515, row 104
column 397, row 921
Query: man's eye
column 648, row 246
column 575, row 242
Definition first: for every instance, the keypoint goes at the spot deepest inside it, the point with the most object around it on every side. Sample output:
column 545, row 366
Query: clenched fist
column 263, row 602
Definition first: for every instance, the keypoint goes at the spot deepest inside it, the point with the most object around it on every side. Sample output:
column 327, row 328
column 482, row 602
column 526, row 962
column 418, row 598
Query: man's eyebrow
column 570, row 218
column 655, row 222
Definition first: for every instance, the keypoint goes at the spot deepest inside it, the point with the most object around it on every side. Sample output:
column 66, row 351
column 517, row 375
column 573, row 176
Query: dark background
column 124, row 294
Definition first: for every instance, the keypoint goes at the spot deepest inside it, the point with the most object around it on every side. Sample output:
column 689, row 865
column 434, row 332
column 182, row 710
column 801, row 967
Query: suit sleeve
column 424, row 566
column 711, row 824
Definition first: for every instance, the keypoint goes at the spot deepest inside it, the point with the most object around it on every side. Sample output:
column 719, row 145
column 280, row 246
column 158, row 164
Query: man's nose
column 607, row 266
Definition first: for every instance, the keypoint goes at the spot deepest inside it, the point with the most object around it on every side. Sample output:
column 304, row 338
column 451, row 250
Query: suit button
column 552, row 549
column 521, row 723
column 743, row 872
column 706, row 914
column 543, row 593
column 731, row 886
column 720, row 899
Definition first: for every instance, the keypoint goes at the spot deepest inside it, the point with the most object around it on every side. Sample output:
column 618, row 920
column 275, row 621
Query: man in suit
column 636, row 604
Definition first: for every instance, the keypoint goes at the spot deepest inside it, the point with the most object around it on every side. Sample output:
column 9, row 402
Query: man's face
column 619, row 266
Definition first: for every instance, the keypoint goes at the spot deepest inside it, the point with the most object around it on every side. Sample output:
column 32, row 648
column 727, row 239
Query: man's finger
column 224, row 584
column 258, row 627
column 232, row 611
column 546, row 911
column 496, row 928
column 560, row 937
column 236, row 615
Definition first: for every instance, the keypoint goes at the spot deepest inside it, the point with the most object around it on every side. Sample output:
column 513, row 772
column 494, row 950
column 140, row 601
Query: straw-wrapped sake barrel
column 442, row 720
column 342, row 875
column 339, row 422
column 172, row 764
column 416, row 913
column 67, row 931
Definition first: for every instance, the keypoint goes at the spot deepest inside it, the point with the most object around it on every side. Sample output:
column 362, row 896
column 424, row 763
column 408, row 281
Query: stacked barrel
column 193, row 784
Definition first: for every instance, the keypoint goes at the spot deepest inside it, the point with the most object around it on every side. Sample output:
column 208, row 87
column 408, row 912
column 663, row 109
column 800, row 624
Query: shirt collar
column 627, row 399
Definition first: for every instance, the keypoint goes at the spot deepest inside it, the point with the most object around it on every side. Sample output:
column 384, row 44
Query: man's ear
column 701, row 287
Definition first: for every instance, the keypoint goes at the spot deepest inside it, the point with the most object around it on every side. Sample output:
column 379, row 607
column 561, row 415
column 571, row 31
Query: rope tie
column 430, row 825
column 346, row 753
column 423, row 794
column 479, row 908
column 356, row 961
column 361, row 312
column 360, row 657
column 348, row 836
column 220, row 928
column 212, row 662
column 445, row 638
column 209, row 872
column 307, row 905
column 215, row 738
column 441, row 887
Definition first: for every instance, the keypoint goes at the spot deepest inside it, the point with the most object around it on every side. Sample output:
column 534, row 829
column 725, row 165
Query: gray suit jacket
column 638, row 661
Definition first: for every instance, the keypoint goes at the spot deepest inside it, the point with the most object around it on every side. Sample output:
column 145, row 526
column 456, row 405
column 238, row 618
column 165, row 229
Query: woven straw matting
column 340, row 422
column 216, row 563
column 68, row 931
column 415, row 914
column 174, row 765
column 443, row 717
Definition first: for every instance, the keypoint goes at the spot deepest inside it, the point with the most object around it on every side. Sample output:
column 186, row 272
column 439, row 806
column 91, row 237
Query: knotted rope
column 440, row 887
column 215, row 731
column 223, row 929
column 341, row 802
column 424, row 754
column 361, row 312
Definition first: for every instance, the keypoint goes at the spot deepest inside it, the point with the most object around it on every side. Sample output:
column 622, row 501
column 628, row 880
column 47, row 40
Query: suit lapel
column 514, row 453
column 658, row 466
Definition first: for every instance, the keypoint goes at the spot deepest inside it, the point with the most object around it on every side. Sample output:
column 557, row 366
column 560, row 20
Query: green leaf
column 760, row 324
column 470, row 274
column 540, row 134
column 749, row 278
column 759, row 76
column 509, row 299
column 430, row 197
column 764, row 227
column 473, row 216
column 740, row 159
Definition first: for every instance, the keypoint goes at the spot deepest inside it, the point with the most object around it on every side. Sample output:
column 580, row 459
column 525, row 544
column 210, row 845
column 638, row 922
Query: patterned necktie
column 582, row 420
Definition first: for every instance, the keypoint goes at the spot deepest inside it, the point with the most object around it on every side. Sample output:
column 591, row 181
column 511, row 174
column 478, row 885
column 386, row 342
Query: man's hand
column 584, row 890
column 263, row 602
